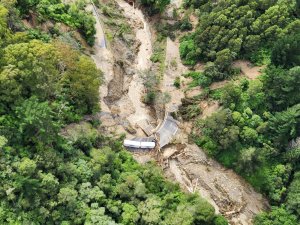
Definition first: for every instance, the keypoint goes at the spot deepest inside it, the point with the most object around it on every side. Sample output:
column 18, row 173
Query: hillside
column 79, row 77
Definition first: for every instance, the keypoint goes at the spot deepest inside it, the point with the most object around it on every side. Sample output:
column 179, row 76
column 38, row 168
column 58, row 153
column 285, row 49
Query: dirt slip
column 115, row 86
column 122, row 87
column 103, row 59
column 208, row 108
column 174, row 68
column 142, row 62
column 183, row 162
column 177, row 3
column 225, row 190
column 218, row 84
column 250, row 71
column 188, row 164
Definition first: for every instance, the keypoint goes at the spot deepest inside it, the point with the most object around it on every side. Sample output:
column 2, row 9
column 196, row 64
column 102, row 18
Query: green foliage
column 154, row 6
column 213, row 72
column 83, row 83
column 35, row 121
column 185, row 24
column 194, row 3
column 285, row 126
column 149, row 98
column 277, row 181
column 99, row 184
column 282, row 86
column 151, row 82
column 189, row 111
column 177, row 82
column 3, row 24
column 73, row 15
column 261, row 57
column 49, row 71
column 219, row 220
column 293, row 197
column 236, row 28
column 37, row 34
column 188, row 51
column 286, row 51
column 33, row 65
column 277, row 216
column 199, row 79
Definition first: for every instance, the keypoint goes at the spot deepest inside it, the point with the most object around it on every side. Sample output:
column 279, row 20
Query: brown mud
column 182, row 161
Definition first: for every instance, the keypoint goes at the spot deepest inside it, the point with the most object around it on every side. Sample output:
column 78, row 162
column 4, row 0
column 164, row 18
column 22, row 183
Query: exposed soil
column 143, row 35
column 122, row 90
column 247, row 69
column 208, row 108
column 177, row 3
column 188, row 164
column 219, row 84
column 225, row 190
column 183, row 162
column 174, row 68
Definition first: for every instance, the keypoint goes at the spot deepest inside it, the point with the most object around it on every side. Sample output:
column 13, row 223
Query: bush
column 204, row 81
column 286, row 51
column 185, row 24
column 73, row 15
column 277, row 216
column 220, row 220
column 150, row 98
column 177, row 82
column 188, row 51
column 155, row 6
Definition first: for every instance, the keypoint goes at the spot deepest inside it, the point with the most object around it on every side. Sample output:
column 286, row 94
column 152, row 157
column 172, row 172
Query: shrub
column 177, row 82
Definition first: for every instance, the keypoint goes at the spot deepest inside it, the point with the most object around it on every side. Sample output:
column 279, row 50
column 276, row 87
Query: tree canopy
column 231, row 29
column 49, row 176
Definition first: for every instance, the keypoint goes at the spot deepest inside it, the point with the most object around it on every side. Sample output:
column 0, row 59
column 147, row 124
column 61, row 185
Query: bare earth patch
column 247, row 69
column 224, row 189
column 183, row 162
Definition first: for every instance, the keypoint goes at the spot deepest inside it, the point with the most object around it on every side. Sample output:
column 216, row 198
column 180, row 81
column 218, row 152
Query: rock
column 115, row 109
column 129, row 71
column 193, row 92
column 136, row 46
column 128, row 127
column 107, row 120
column 129, row 56
column 138, row 25
column 115, row 86
column 129, row 39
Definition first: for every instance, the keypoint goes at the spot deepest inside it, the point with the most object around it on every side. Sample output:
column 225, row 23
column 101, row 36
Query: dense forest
column 50, row 178
column 256, row 131
column 48, row 81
